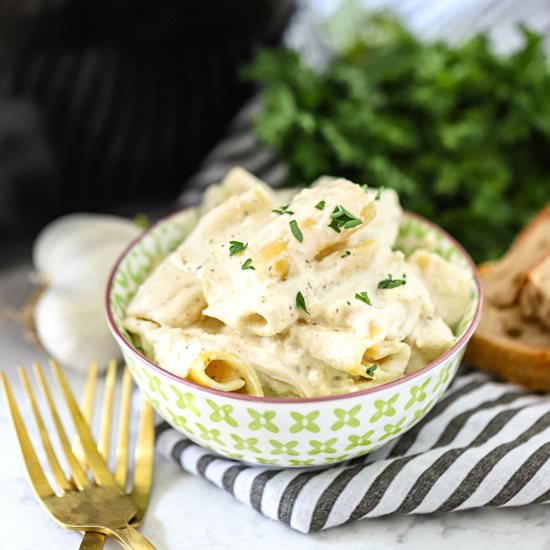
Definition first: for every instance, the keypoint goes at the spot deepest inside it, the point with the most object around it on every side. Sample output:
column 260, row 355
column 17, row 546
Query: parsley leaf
column 379, row 193
column 247, row 265
column 142, row 220
column 320, row 205
column 296, row 230
column 370, row 370
column 283, row 210
column 237, row 247
column 364, row 297
column 343, row 219
column 390, row 282
column 300, row 302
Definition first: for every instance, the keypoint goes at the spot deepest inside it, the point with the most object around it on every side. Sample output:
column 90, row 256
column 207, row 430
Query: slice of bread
column 535, row 295
column 513, row 336
column 531, row 246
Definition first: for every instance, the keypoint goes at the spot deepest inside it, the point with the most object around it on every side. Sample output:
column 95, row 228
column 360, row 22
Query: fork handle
column 131, row 539
column 92, row 541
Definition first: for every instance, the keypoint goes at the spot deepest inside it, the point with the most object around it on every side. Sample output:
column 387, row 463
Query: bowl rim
column 462, row 341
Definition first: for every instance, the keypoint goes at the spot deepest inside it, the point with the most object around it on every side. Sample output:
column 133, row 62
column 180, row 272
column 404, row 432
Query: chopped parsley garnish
column 364, row 297
column 365, row 187
column 283, row 210
column 390, row 282
column 296, row 230
column 142, row 221
column 236, row 247
column 346, row 253
column 320, row 205
column 300, row 302
column 379, row 193
column 343, row 219
column 370, row 370
column 247, row 265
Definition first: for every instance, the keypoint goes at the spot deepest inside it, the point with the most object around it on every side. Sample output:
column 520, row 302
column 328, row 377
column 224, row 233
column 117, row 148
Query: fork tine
column 121, row 471
column 87, row 408
column 144, row 460
column 56, row 468
column 89, row 393
column 39, row 482
column 107, row 410
column 97, row 464
column 77, row 472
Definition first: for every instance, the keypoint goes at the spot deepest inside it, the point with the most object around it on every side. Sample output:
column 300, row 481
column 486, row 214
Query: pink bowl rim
column 462, row 341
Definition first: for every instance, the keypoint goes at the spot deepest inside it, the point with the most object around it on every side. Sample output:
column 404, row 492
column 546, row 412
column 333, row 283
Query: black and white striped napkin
column 485, row 443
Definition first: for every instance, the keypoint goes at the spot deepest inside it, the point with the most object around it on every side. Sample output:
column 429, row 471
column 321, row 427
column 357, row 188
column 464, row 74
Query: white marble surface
column 188, row 513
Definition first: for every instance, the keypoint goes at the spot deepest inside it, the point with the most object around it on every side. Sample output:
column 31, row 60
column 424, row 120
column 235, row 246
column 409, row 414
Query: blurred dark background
column 112, row 104
column 127, row 106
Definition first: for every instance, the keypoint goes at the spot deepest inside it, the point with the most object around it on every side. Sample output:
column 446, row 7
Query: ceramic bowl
column 278, row 431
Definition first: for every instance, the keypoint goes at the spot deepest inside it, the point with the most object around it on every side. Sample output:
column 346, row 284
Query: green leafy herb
column 300, row 302
column 283, row 210
column 364, row 297
column 320, row 205
column 390, row 282
column 343, row 219
column 296, row 230
column 236, row 247
column 142, row 221
column 379, row 193
column 460, row 132
column 247, row 264
column 346, row 253
column 370, row 370
column 365, row 187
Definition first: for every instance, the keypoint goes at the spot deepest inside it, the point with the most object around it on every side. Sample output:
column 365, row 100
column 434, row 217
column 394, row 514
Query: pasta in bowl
column 284, row 301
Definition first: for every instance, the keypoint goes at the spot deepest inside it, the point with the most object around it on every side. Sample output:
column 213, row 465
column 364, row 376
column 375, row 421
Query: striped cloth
column 485, row 443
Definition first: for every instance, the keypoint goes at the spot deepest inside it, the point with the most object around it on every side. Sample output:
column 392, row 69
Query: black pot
column 102, row 103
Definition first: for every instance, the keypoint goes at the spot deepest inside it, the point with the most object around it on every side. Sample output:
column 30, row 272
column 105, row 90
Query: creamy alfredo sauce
column 308, row 297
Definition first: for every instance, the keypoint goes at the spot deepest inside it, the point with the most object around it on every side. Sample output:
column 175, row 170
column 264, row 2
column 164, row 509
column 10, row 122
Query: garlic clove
column 73, row 256
column 71, row 326
column 89, row 270
column 68, row 237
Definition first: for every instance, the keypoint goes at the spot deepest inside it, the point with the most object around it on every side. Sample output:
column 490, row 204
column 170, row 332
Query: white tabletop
column 189, row 513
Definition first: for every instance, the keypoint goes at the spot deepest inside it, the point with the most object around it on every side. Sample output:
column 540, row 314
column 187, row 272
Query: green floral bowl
column 276, row 431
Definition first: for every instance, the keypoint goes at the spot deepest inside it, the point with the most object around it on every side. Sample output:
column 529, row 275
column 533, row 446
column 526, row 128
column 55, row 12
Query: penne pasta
column 304, row 298
column 449, row 285
column 390, row 359
column 224, row 371
column 195, row 357
column 339, row 348
column 171, row 296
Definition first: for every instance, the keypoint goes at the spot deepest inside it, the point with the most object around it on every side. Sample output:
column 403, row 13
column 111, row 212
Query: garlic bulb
column 73, row 257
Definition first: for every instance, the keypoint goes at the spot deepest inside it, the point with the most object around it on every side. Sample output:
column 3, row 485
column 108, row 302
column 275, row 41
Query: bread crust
column 507, row 276
column 534, row 297
column 495, row 351
column 519, row 364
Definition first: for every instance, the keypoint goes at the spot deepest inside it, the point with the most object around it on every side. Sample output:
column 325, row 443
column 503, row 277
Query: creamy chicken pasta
column 297, row 296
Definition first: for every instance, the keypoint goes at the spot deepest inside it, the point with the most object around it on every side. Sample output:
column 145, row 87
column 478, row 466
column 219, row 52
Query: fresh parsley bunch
column 461, row 133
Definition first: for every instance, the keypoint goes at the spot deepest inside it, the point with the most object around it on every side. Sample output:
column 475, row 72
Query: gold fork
column 144, row 453
column 79, row 504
